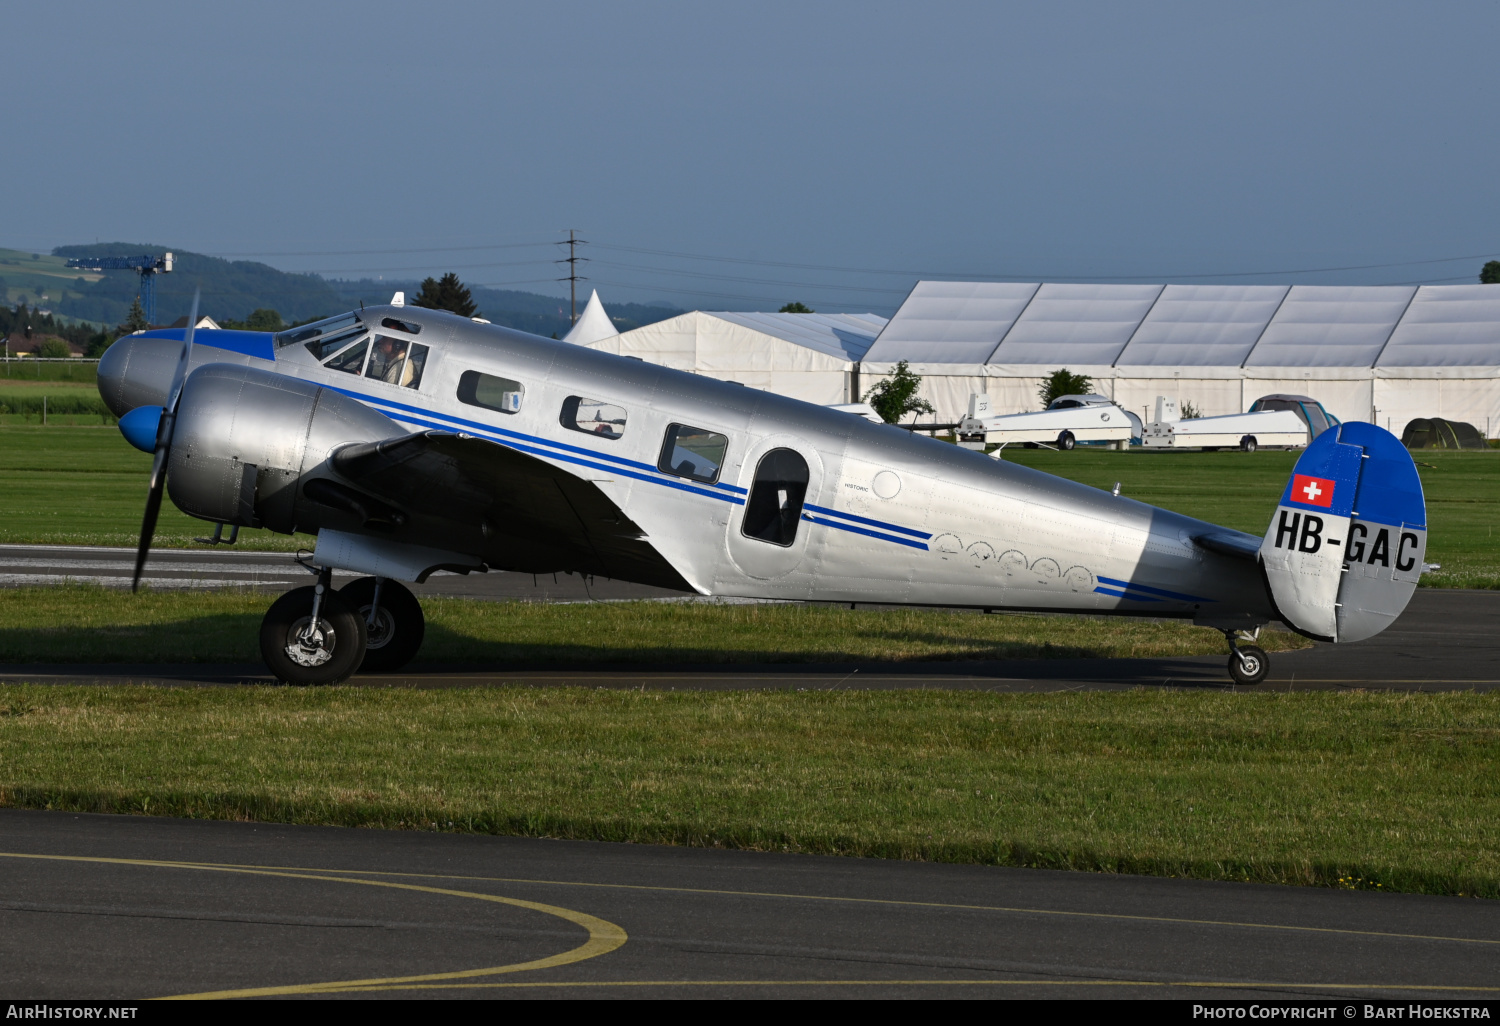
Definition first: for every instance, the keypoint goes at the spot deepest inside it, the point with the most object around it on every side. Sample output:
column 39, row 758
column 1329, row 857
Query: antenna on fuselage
column 572, row 259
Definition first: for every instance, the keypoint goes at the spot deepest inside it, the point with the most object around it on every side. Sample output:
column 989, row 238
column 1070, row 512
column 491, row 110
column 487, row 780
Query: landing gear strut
column 393, row 622
column 1248, row 664
column 312, row 636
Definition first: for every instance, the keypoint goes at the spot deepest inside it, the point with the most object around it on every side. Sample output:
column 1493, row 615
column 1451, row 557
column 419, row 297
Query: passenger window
column 491, row 392
column 323, row 348
column 350, row 360
column 693, row 452
column 593, row 417
column 775, row 503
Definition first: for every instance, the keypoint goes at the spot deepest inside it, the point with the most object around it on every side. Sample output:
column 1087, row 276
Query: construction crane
column 146, row 265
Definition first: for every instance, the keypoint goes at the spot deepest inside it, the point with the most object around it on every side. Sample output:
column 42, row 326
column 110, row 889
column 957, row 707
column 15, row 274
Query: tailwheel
column 393, row 620
column 312, row 636
column 1248, row 664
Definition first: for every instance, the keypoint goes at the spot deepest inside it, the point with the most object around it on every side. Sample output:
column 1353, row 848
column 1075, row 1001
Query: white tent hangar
column 1382, row 353
column 812, row 357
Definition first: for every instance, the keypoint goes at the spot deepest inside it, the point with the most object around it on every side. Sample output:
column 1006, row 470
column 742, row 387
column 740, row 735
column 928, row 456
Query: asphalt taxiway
column 128, row 907
column 1446, row 640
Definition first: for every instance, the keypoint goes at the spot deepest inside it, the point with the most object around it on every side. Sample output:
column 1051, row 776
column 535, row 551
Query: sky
column 720, row 156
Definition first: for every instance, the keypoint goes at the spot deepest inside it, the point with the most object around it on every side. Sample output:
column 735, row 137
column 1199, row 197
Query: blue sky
column 869, row 143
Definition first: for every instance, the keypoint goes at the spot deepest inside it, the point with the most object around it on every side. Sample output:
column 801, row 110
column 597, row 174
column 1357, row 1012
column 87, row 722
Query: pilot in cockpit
column 387, row 360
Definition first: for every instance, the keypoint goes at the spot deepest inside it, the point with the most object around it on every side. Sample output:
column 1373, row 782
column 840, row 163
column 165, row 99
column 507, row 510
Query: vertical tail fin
column 1345, row 547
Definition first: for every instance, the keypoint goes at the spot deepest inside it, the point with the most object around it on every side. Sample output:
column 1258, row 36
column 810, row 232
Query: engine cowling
column 245, row 439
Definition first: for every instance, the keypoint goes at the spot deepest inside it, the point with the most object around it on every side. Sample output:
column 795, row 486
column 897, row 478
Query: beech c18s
column 411, row 440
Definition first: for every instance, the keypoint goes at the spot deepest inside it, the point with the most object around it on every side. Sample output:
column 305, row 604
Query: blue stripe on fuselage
column 1152, row 591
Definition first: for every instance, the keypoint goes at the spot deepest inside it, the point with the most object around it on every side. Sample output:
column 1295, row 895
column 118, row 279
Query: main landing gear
column 1248, row 664
column 320, row 636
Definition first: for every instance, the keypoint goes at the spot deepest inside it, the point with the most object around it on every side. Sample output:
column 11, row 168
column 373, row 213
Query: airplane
column 411, row 440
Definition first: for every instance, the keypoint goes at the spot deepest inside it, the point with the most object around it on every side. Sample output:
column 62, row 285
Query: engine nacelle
column 245, row 439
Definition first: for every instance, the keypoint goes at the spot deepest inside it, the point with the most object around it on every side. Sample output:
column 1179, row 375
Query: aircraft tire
column 327, row 656
column 400, row 626
column 1248, row 443
column 1065, row 441
column 1250, row 666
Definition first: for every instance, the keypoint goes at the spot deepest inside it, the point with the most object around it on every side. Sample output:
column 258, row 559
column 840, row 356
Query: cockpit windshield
column 317, row 329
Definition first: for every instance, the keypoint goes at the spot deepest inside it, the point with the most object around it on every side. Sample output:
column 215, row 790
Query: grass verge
column 91, row 624
column 1371, row 790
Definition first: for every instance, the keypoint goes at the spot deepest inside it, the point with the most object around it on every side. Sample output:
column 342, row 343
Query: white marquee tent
column 1388, row 353
column 812, row 357
column 593, row 325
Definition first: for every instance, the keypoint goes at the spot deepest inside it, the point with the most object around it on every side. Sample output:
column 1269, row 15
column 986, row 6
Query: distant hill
column 233, row 288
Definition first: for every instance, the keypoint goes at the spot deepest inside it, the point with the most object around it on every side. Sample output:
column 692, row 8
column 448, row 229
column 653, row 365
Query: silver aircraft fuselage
column 888, row 517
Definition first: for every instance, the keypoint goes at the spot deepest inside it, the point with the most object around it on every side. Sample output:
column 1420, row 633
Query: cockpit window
column 350, row 360
column 407, row 326
column 397, row 361
column 317, row 329
column 323, row 348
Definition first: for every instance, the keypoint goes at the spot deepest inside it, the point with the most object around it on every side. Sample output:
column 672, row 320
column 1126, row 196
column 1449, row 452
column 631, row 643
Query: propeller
column 164, row 430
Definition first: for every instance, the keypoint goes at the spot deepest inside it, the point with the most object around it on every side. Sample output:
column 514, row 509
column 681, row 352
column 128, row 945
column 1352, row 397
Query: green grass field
column 1381, row 791
column 86, row 486
column 90, row 624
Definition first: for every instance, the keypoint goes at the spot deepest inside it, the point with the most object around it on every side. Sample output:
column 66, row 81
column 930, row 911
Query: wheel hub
column 381, row 629
column 311, row 644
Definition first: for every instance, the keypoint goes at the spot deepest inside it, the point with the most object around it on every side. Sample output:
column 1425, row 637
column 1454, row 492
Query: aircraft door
column 768, row 537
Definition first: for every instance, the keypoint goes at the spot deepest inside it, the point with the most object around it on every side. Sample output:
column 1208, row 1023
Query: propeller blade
column 164, row 433
column 180, row 377
column 153, row 509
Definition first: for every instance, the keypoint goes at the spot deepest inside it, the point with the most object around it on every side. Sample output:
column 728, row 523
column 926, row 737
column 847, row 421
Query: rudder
column 1345, row 547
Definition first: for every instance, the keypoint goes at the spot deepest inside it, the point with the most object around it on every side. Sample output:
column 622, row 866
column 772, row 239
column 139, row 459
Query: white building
column 812, row 357
column 1382, row 353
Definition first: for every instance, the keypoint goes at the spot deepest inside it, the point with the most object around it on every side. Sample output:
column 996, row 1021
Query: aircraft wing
column 535, row 517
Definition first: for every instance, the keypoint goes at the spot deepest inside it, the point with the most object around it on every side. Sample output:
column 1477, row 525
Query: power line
column 968, row 275
column 377, row 252
column 753, row 281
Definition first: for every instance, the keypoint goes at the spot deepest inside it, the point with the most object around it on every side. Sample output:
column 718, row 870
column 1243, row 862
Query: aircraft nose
column 137, row 372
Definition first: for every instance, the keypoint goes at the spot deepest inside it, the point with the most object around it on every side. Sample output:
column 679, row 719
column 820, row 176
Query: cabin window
column 693, row 453
column 317, row 329
column 350, row 360
column 397, row 361
column 593, row 417
column 775, row 503
column 491, row 392
column 409, row 327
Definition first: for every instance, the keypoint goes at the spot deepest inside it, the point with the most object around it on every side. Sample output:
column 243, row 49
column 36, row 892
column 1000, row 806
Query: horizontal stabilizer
column 1344, row 550
column 1230, row 543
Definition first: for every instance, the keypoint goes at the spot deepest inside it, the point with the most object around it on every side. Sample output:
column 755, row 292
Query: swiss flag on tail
column 1315, row 491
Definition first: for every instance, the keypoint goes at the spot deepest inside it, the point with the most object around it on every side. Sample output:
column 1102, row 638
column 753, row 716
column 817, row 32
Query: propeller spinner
column 163, row 449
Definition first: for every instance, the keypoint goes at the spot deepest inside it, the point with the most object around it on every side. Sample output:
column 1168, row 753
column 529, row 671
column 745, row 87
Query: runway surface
column 1446, row 640
column 130, row 907
column 225, row 567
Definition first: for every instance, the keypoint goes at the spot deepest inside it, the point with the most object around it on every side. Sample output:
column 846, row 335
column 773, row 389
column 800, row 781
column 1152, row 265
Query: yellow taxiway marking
column 1199, row 984
column 893, row 901
column 604, row 936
